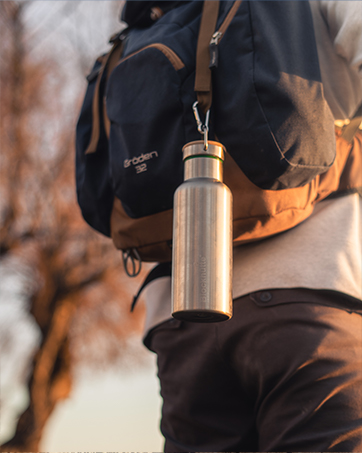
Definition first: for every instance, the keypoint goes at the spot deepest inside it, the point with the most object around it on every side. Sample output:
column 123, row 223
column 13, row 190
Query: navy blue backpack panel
column 148, row 131
column 268, row 107
column 270, row 110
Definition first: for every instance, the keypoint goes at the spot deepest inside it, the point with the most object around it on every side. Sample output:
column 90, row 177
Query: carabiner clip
column 202, row 128
column 132, row 255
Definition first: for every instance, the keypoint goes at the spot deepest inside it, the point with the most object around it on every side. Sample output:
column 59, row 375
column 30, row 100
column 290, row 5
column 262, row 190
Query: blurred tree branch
column 78, row 274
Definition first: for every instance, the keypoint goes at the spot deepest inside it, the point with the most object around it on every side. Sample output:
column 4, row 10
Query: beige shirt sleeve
column 338, row 30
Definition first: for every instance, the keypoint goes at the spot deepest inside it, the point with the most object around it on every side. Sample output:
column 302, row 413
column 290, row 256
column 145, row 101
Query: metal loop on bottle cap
column 202, row 128
column 205, row 131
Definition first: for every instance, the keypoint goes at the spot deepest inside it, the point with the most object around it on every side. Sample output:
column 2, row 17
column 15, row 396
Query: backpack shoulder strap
column 209, row 17
column 204, row 60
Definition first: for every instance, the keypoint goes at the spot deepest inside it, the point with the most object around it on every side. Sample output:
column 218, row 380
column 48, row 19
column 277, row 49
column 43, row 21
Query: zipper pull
column 214, row 49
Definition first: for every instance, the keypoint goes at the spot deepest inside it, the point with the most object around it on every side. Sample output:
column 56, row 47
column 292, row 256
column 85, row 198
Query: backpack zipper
column 174, row 59
column 214, row 50
column 216, row 37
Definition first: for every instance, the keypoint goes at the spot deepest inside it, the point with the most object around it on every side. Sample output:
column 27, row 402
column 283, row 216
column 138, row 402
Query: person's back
column 285, row 373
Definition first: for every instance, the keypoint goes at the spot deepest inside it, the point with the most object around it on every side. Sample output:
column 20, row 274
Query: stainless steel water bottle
column 202, row 238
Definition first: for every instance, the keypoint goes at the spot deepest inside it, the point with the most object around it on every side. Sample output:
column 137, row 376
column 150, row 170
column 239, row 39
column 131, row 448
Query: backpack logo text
column 139, row 161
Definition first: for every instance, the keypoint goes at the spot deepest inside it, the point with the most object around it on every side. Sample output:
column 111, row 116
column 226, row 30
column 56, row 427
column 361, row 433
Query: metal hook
column 205, row 132
column 202, row 128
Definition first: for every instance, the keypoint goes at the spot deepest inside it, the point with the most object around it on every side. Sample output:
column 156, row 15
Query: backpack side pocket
column 94, row 191
column 147, row 131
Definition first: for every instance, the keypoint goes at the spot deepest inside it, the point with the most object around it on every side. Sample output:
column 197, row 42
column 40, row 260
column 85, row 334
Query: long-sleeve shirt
column 325, row 251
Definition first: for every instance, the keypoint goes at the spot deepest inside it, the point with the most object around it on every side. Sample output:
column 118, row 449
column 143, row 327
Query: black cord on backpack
column 161, row 270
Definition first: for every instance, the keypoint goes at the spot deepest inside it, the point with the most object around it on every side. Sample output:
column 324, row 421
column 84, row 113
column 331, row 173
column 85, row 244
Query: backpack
column 250, row 67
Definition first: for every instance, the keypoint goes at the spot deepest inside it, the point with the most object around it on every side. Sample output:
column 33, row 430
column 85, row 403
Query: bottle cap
column 196, row 149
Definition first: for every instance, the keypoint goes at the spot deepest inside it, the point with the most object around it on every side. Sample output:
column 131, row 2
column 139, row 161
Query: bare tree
column 79, row 297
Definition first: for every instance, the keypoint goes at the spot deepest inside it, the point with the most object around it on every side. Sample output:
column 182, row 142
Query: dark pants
column 284, row 374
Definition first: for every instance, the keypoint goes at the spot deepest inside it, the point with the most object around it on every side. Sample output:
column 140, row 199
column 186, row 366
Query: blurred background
column 74, row 375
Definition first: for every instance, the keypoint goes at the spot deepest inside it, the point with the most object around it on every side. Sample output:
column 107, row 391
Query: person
column 285, row 373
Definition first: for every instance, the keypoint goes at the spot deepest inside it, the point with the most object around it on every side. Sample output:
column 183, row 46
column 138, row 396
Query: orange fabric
column 257, row 213
column 261, row 213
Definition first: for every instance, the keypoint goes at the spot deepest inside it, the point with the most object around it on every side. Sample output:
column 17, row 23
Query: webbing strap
column 109, row 62
column 203, row 85
column 349, row 131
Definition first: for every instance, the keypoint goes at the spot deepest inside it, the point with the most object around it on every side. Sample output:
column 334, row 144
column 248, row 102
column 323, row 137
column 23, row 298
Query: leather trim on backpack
column 150, row 235
column 351, row 177
column 261, row 213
